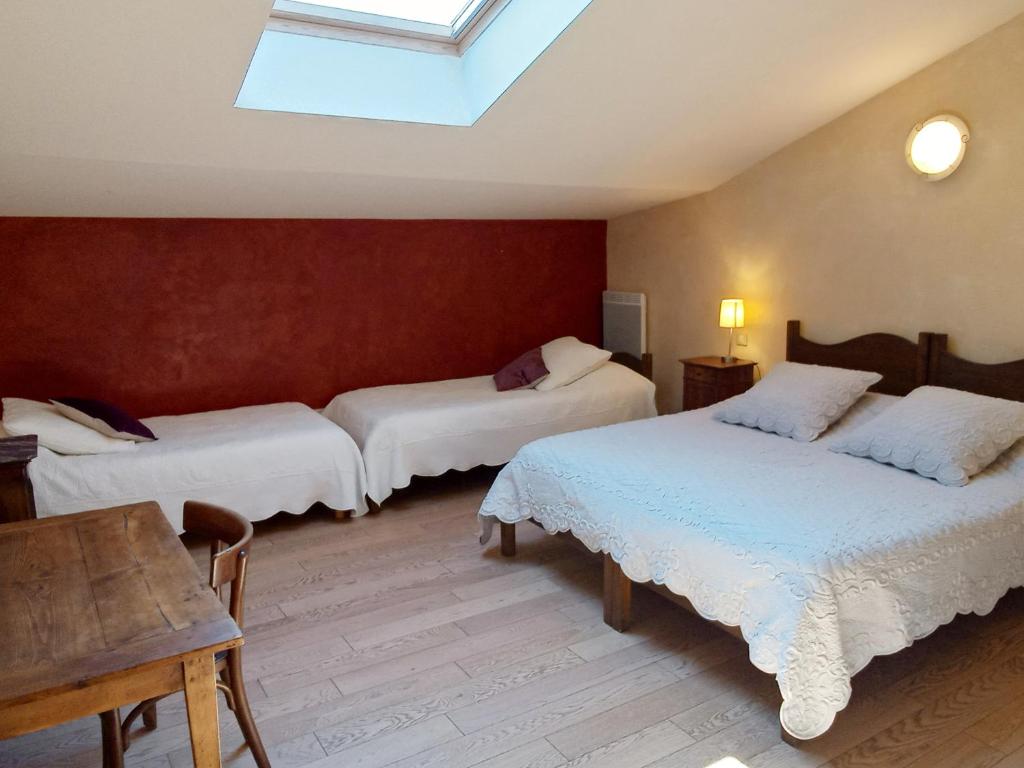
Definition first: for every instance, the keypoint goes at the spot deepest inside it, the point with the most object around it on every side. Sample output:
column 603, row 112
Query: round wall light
column 936, row 147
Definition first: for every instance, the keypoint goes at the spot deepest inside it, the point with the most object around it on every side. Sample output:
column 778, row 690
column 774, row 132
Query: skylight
column 438, row 20
column 442, row 12
column 443, row 62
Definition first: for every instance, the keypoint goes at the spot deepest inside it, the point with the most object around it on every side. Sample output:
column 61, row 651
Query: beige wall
column 837, row 231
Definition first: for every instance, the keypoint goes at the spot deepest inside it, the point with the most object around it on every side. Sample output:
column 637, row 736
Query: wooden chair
column 223, row 528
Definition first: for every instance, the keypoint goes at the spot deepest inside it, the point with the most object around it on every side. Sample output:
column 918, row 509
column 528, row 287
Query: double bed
column 427, row 429
column 820, row 561
column 259, row 460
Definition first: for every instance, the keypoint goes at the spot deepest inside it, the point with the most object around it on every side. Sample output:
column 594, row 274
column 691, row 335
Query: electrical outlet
column 741, row 340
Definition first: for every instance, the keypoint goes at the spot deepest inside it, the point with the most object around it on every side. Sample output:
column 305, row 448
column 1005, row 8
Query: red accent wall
column 176, row 315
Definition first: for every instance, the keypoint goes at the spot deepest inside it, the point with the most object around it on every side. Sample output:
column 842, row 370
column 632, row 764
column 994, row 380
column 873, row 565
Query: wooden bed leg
column 342, row 514
column 618, row 592
column 374, row 507
column 508, row 539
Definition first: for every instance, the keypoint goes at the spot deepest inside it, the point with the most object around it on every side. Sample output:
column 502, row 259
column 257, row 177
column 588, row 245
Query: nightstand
column 707, row 380
column 16, row 499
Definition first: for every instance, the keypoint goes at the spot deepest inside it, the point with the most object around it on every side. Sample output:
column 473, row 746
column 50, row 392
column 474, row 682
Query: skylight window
column 445, row 13
column 443, row 62
column 437, row 21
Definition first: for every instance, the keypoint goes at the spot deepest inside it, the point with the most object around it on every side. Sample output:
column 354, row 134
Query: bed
column 428, row 429
column 258, row 460
column 713, row 516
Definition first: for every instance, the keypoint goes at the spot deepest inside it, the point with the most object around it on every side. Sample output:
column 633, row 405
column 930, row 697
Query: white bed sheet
column 823, row 560
column 258, row 461
column 427, row 429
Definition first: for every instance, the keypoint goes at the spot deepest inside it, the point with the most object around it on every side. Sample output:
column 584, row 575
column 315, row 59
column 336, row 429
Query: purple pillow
column 523, row 372
column 105, row 418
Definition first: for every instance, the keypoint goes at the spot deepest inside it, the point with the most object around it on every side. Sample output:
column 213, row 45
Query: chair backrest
column 230, row 535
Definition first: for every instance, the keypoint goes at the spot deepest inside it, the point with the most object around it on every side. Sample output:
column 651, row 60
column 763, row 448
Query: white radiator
column 625, row 322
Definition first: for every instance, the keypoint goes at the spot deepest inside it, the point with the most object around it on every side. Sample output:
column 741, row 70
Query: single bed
column 258, row 460
column 430, row 428
column 820, row 561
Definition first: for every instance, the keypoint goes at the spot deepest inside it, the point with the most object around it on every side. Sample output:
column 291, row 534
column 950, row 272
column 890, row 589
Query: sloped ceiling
column 113, row 108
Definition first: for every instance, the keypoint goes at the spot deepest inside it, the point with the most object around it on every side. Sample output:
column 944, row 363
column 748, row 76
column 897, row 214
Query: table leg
column 201, row 703
column 113, row 745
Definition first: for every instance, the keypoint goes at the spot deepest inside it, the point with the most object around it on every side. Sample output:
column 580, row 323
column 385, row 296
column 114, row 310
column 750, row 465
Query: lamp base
column 728, row 359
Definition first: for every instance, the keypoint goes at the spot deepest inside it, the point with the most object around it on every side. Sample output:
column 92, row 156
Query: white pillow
column 940, row 433
column 796, row 400
column 568, row 359
column 56, row 432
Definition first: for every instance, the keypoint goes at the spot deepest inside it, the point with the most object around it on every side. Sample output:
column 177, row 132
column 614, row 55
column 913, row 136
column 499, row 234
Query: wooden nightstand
column 16, row 499
column 707, row 380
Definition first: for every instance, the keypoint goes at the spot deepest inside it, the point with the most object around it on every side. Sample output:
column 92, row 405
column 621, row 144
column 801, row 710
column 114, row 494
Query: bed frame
column 1005, row 380
column 902, row 363
column 904, row 366
column 644, row 365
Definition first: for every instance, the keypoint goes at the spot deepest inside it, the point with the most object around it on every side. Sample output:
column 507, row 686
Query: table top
column 717, row 362
column 92, row 595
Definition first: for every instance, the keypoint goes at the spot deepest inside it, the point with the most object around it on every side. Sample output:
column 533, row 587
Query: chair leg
column 224, row 686
column 242, row 711
column 149, row 717
column 147, row 709
column 113, row 746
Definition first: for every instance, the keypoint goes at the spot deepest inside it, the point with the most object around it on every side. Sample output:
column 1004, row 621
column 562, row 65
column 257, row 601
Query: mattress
column 430, row 428
column 822, row 560
column 257, row 460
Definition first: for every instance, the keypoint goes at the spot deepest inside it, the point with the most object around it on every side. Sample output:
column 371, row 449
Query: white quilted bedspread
column 823, row 560
column 429, row 428
column 258, row 461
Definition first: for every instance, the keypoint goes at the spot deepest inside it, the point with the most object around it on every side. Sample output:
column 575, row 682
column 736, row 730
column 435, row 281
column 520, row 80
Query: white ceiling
column 114, row 108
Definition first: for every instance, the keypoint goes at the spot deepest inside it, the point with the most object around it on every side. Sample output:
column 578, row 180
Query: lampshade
column 731, row 314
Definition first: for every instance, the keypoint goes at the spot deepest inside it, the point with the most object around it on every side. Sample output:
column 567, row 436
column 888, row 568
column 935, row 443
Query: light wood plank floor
column 396, row 640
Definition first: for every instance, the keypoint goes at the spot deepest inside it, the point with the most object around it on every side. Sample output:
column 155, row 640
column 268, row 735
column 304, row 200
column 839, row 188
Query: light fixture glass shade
column 731, row 314
column 936, row 147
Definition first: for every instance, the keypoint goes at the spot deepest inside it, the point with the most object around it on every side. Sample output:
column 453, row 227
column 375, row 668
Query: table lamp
column 730, row 316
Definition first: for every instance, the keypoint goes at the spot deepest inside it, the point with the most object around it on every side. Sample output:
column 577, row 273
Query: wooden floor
column 396, row 640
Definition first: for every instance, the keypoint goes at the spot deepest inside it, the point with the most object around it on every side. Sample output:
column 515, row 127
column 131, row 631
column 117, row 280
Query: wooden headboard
column 643, row 365
column 1004, row 380
column 902, row 363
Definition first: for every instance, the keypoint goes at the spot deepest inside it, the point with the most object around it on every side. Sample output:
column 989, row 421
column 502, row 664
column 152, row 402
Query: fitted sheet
column 427, row 429
column 257, row 461
column 822, row 560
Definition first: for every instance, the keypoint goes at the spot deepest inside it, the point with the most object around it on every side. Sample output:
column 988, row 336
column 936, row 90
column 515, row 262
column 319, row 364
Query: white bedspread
column 257, row 461
column 823, row 560
column 427, row 429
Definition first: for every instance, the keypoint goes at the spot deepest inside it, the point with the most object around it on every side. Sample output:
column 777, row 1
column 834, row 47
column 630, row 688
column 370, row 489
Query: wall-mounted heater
column 625, row 322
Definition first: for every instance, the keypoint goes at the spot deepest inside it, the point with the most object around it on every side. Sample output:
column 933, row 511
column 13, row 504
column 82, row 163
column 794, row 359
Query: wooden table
column 104, row 609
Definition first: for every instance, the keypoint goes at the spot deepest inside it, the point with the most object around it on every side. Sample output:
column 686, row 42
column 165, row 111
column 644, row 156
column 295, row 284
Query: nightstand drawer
column 700, row 374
